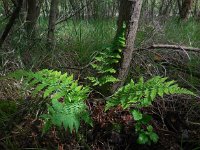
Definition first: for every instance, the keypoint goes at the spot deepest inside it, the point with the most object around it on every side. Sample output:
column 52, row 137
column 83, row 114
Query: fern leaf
column 160, row 92
column 56, row 119
column 57, row 106
column 153, row 93
column 39, row 88
column 58, row 95
column 49, row 91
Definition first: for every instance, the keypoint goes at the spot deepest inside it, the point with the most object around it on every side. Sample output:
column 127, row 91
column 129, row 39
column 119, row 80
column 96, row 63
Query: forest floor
column 175, row 118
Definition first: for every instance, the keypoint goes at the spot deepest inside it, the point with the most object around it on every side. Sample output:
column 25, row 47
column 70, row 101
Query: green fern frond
column 67, row 115
column 106, row 60
column 142, row 94
column 55, row 85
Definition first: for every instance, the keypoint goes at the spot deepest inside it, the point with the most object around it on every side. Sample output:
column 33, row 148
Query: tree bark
column 32, row 16
column 52, row 23
column 132, row 18
column 11, row 22
column 165, row 11
column 179, row 2
column 123, row 15
column 196, row 8
column 153, row 3
column 185, row 10
column 23, row 13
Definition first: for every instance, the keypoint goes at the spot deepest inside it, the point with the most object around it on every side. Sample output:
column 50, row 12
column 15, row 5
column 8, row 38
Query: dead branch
column 167, row 46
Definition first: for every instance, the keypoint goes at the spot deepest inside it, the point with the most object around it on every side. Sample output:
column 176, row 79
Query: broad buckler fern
column 67, row 107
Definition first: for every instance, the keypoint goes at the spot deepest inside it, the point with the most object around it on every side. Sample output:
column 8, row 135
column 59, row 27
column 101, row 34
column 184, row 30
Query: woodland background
column 162, row 39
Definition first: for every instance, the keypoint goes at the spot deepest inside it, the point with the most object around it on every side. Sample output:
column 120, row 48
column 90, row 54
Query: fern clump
column 67, row 115
column 135, row 96
column 67, row 106
column 105, row 62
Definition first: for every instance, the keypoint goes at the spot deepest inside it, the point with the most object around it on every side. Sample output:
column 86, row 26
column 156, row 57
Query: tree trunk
column 153, row 3
column 52, row 23
column 23, row 13
column 186, row 7
column 196, row 8
column 32, row 16
column 166, row 10
column 161, row 7
column 11, row 22
column 131, row 16
column 123, row 15
column 179, row 2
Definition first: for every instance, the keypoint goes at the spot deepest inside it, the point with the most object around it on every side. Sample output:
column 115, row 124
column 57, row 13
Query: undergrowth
column 67, row 107
column 7, row 109
column 183, row 32
column 88, row 37
column 85, row 37
column 105, row 62
column 136, row 96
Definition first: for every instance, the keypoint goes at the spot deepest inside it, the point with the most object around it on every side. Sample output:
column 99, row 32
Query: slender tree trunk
column 196, row 8
column 179, row 2
column 52, row 23
column 23, row 12
column 14, row 2
column 186, row 7
column 11, row 22
column 132, row 18
column 153, row 3
column 168, row 6
column 174, row 9
column 74, row 6
column 161, row 8
column 123, row 15
column 31, row 18
column 145, row 11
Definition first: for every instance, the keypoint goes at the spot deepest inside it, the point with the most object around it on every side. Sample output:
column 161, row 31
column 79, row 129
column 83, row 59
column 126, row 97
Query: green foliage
column 85, row 37
column 106, row 60
column 67, row 114
column 189, row 32
column 7, row 109
column 67, row 98
column 140, row 95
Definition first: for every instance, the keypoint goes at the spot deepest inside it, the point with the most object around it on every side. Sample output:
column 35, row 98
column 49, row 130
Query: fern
column 140, row 95
column 57, row 86
column 66, row 115
column 106, row 60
